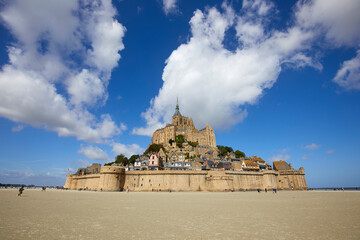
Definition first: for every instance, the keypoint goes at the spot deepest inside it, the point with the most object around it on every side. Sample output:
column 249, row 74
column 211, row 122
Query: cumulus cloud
column 337, row 20
column 83, row 163
column 127, row 150
column 348, row 76
column 284, row 157
column 18, row 128
column 261, row 7
column 60, row 64
column 312, row 146
column 214, row 84
column 94, row 153
column 169, row 6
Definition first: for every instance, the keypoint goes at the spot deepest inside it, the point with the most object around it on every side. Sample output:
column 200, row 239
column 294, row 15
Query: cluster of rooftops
column 153, row 162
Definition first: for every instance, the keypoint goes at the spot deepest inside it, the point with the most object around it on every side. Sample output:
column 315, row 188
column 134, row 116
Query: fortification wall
column 116, row 179
column 165, row 180
column 68, row 182
column 111, row 178
column 292, row 179
column 213, row 181
column 90, row 181
column 253, row 180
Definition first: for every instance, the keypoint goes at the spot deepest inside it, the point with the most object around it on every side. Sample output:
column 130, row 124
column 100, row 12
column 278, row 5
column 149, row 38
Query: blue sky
column 83, row 81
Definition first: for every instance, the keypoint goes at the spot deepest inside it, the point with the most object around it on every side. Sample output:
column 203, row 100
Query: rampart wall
column 292, row 179
column 116, row 179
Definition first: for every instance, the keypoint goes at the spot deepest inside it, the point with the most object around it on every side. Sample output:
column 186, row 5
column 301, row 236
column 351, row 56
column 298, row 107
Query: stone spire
column 177, row 112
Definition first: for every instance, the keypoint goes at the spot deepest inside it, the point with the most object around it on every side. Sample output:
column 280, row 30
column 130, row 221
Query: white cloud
column 331, row 151
column 42, row 85
column 18, row 128
column 312, row 146
column 169, row 6
column 261, row 7
column 85, row 88
column 94, row 153
column 213, row 84
column 348, row 76
column 300, row 60
column 284, row 157
column 83, row 163
column 305, row 157
column 127, row 150
column 338, row 20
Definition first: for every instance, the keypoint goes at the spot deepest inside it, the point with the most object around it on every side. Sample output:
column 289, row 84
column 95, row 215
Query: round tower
column 112, row 178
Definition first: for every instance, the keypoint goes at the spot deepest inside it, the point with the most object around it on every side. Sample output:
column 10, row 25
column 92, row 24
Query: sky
column 83, row 81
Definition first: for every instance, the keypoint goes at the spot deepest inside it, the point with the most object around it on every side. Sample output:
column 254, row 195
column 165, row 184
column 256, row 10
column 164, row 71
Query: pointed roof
column 177, row 111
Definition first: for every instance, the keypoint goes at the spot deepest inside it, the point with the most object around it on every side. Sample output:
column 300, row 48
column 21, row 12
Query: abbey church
column 182, row 125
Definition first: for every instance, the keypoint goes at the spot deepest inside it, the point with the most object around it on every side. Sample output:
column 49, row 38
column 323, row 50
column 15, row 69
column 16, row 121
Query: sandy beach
column 58, row 214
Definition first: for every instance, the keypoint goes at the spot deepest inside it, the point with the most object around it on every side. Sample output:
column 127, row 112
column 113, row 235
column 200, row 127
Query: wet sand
column 57, row 214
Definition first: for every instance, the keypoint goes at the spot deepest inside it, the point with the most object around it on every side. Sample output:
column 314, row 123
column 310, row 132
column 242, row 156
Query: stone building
column 93, row 169
column 182, row 125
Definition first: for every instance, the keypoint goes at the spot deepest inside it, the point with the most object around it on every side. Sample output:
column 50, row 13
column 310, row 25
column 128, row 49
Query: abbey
column 182, row 125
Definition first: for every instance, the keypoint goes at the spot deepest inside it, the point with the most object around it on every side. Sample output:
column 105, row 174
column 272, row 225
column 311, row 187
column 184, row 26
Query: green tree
column 193, row 144
column 239, row 154
column 154, row 148
column 133, row 158
column 121, row 159
column 224, row 150
column 180, row 139
column 229, row 149
column 171, row 141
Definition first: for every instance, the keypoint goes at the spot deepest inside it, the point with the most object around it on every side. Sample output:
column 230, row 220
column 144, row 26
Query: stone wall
column 292, row 179
column 165, row 180
column 116, row 179
column 90, row 181
column 111, row 178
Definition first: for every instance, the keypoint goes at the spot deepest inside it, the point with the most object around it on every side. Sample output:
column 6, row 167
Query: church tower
column 177, row 118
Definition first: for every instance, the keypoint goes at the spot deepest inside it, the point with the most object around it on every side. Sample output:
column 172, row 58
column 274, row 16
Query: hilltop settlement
column 183, row 158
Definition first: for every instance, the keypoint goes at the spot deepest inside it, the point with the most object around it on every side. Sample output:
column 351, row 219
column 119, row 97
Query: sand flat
column 57, row 214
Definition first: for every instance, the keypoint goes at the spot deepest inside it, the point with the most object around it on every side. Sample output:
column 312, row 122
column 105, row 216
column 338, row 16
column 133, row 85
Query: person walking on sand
column 21, row 189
